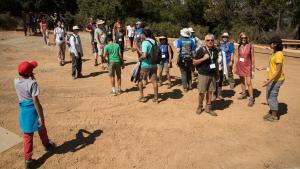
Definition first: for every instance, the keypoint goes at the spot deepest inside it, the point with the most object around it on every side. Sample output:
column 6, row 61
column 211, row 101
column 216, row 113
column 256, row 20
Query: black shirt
column 204, row 67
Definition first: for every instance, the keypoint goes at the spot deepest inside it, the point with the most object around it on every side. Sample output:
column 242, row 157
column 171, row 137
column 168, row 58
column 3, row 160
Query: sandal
column 142, row 99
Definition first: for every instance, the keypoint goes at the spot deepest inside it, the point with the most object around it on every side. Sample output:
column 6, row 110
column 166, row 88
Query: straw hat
column 75, row 28
column 225, row 34
column 100, row 22
column 185, row 32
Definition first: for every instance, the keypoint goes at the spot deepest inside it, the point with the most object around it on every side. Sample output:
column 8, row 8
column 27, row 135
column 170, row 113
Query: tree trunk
column 278, row 25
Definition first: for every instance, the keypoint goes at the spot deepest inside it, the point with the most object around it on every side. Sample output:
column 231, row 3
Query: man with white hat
column 100, row 38
column 186, row 49
column 228, row 48
column 76, row 53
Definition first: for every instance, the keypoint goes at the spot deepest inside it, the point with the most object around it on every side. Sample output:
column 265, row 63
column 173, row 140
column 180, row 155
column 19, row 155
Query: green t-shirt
column 112, row 50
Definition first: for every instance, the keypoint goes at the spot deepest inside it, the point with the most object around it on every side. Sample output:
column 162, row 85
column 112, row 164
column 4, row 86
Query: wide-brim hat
column 185, row 32
column 225, row 34
column 138, row 23
column 100, row 22
column 191, row 30
column 162, row 37
column 75, row 28
column 26, row 68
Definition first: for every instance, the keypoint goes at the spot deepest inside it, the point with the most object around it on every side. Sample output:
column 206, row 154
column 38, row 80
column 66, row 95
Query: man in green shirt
column 112, row 54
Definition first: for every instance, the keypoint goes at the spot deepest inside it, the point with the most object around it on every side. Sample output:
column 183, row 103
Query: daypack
column 68, row 40
column 154, row 57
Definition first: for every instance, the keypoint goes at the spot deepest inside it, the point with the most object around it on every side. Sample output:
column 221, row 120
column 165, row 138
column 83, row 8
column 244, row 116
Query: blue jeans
column 272, row 94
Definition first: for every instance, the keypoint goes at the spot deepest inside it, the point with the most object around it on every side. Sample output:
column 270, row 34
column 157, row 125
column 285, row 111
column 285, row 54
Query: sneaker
column 267, row 116
column 210, row 111
column 155, row 100
column 199, row 110
column 114, row 93
column 50, row 146
column 119, row 91
column 271, row 119
column 29, row 164
column 251, row 101
column 243, row 96
column 142, row 99
column 231, row 85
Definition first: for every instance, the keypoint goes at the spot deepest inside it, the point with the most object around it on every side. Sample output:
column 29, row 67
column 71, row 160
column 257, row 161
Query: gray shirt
column 26, row 88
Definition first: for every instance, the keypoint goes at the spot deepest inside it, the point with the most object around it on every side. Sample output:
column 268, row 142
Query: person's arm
column 39, row 109
column 252, row 58
column 170, row 54
column 234, row 61
column 87, row 29
column 276, row 74
column 198, row 61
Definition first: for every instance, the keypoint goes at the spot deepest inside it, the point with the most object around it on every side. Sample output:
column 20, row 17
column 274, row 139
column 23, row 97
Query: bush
column 7, row 22
column 165, row 29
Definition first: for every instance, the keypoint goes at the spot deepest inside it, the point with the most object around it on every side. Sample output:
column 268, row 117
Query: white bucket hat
column 75, row 28
column 138, row 22
column 225, row 34
column 100, row 22
column 185, row 32
column 191, row 30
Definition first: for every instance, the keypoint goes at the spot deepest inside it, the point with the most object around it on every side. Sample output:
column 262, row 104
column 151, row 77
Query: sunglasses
column 209, row 40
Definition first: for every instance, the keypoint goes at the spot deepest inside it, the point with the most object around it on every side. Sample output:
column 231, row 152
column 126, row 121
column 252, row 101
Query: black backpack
column 154, row 56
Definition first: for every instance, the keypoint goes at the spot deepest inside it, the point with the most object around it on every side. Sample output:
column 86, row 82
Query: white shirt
column 59, row 32
column 130, row 31
column 75, row 45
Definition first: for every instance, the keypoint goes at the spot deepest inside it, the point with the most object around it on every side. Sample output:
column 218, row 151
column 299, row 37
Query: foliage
column 8, row 22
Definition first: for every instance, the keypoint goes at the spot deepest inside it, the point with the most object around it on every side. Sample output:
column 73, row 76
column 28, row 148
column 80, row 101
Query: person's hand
column 265, row 83
column 41, row 122
column 259, row 69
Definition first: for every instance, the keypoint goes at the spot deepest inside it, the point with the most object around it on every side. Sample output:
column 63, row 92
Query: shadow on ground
column 73, row 145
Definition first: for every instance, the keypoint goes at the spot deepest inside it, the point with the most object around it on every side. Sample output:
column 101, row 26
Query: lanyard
column 211, row 54
column 243, row 50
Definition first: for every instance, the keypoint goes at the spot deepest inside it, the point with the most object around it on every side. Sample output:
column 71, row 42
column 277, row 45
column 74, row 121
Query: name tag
column 242, row 59
column 120, row 40
column 163, row 56
column 212, row 66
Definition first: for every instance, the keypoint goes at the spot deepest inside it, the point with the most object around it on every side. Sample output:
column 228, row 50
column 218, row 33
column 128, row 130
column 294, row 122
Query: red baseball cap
column 26, row 68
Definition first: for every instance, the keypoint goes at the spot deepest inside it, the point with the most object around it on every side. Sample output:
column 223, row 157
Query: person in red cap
column 31, row 115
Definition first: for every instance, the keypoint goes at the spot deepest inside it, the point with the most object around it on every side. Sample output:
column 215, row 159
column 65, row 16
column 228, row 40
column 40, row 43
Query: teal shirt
column 112, row 50
column 146, row 48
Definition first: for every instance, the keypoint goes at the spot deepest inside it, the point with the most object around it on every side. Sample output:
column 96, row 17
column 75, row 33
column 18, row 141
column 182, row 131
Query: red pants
column 28, row 142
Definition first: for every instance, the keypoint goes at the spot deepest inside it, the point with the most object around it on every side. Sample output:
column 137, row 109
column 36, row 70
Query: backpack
column 154, row 57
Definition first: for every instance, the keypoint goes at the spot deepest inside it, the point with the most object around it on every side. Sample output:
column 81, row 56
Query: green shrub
column 7, row 22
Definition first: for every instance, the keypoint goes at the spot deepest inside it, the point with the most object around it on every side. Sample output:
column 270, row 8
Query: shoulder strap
column 151, row 42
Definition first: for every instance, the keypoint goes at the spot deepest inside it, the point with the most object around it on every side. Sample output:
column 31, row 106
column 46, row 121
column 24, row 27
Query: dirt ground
column 94, row 129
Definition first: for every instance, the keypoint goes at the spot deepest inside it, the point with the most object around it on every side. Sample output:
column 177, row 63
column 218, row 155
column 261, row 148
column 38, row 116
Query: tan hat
column 185, row 32
column 225, row 34
column 75, row 28
column 138, row 23
column 162, row 37
column 99, row 22
column 191, row 30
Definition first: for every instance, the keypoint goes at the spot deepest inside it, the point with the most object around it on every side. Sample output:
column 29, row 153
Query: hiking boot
column 210, row 111
column 231, row 85
column 119, row 91
column 199, row 110
column 114, row 93
column 29, row 164
column 50, row 146
column 251, row 101
column 267, row 116
column 243, row 96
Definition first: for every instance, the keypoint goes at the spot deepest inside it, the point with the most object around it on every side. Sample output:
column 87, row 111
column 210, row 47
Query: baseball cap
column 25, row 68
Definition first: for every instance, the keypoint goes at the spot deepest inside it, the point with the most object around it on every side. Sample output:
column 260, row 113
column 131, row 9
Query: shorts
column 163, row 67
column 148, row 72
column 100, row 49
column 206, row 83
column 114, row 68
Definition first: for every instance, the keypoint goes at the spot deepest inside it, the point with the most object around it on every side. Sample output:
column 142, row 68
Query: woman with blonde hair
column 244, row 67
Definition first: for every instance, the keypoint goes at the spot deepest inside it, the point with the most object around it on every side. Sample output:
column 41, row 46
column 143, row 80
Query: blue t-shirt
column 146, row 48
column 186, row 46
column 228, row 48
column 138, row 32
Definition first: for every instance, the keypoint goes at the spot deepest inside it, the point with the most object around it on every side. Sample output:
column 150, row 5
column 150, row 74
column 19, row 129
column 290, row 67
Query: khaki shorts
column 114, row 68
column 163, row 67
column 206, row 83
column 151, row 73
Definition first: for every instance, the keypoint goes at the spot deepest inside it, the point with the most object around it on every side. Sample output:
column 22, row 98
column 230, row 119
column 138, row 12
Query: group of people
column 214, row 62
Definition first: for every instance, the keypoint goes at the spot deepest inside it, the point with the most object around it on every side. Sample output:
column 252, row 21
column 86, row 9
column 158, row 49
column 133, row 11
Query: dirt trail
column 128, row 134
